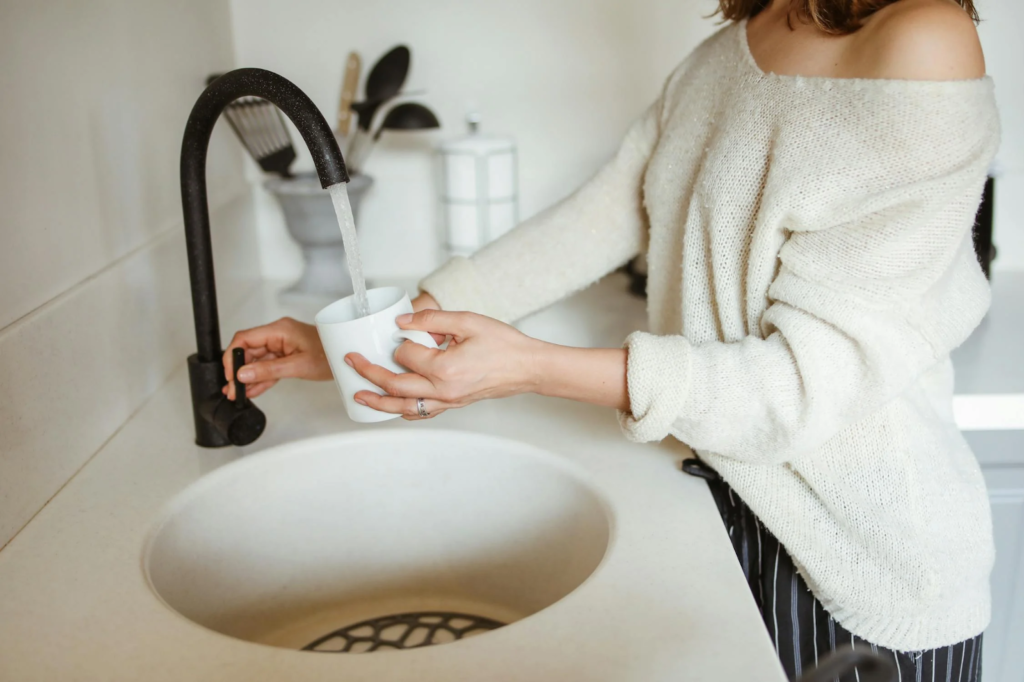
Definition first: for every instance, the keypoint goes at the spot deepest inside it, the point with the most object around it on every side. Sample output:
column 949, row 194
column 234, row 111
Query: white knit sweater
column 810, row 269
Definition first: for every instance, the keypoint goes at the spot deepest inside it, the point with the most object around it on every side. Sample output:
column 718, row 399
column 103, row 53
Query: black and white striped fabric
column 803, row 632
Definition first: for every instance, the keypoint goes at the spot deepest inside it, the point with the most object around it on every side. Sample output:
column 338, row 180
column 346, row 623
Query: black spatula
column 384, row 82
column 260, row 127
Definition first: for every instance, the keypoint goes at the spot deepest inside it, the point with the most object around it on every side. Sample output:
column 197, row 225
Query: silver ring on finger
column 421, row 408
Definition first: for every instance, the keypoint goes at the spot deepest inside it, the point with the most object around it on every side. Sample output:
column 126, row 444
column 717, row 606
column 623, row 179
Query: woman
column 804, row 190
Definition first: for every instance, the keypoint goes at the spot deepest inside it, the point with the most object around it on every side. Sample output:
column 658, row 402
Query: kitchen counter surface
column 75, row 604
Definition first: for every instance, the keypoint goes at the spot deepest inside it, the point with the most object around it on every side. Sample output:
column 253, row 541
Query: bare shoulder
column 918, row 40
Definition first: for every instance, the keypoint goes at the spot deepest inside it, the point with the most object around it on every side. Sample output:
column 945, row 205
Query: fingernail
column 246, row 374
column 361, row 402
column 404, row 319
column 348, row 361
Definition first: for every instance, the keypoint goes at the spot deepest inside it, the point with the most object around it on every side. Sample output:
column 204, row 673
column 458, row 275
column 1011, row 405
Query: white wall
column 95, row 309
column 565, row 77
column 1002, row 35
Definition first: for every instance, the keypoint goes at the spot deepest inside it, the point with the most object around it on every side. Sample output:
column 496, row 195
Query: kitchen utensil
column 311, row 222
column 371, row 119
column 260, row 126
column 384, row 82
column 375, row 337
column 349, row 85
column 408, row 116
column 405, row 116
column 983, row 245
column 479, row 188
column 637, row 271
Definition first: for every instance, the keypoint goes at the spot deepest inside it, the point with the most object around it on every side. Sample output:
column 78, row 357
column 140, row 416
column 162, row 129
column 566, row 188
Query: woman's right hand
column 283, row 349
column 287, row 349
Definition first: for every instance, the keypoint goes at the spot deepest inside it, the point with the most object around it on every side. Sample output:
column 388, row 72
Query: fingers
column 293, row 346
column 278, row 368
column 255, row 390
column 407, row 407
column 257, row 342
column 402, row 385
column 415, row 357
column 424, row 302
column 411, row 418
column 440, row 322
column 259, row 376
column 259, row 355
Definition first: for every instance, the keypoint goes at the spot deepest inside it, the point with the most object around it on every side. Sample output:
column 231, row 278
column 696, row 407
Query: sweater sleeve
column 565, row 248
column 872, row 290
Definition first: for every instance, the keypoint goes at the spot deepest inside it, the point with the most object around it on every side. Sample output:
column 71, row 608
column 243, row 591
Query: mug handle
column 416, row 336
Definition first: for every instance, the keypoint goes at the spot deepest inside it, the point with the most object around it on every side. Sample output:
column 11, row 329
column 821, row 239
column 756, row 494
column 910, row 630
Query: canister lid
column 477, row 142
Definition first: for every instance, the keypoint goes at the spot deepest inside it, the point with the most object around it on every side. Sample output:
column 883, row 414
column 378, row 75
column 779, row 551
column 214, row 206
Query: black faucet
column 219, row 421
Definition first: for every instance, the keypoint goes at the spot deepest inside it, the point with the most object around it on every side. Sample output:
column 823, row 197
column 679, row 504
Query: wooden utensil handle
column 349, row 85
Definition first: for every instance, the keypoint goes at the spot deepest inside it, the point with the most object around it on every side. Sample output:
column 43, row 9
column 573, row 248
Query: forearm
column 588, row 375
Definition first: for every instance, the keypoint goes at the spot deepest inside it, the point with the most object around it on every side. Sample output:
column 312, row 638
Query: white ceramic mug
column 375, row 337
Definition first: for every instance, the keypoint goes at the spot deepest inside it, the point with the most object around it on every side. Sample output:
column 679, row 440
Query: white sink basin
column 288, row 545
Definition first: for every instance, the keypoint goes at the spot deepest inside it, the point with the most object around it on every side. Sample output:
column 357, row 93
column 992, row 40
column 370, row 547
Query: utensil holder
column 312, row 223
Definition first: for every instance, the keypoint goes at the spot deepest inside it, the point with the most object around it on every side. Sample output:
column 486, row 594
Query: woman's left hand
column 485, row 359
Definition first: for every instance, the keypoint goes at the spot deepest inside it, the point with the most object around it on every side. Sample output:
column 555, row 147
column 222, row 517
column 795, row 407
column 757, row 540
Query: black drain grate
column 402, row 631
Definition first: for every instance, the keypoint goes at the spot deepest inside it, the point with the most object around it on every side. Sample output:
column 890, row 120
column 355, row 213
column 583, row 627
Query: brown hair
column 832, row 16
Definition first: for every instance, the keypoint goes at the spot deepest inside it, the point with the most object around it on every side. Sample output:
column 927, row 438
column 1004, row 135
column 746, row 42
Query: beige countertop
column 668, row 602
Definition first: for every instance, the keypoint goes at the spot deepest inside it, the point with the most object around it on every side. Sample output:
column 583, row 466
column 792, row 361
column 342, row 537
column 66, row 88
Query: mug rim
column 348, row 302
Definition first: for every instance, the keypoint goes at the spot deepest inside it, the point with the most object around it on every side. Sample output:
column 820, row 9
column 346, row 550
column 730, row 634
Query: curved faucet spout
column 205, row 367
column 315, row 132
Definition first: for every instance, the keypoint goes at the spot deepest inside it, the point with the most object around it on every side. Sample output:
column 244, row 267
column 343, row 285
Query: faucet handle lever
column 237, row 362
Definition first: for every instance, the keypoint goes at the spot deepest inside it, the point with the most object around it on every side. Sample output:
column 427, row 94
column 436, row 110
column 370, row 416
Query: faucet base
column 219, row 421
column 206, row 378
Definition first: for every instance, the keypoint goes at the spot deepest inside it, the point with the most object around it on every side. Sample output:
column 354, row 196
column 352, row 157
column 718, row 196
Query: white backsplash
column 95, row 312
column 1000, row 32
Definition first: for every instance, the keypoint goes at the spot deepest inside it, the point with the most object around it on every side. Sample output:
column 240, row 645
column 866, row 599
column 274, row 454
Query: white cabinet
column 990, row 365
column 1004, row 639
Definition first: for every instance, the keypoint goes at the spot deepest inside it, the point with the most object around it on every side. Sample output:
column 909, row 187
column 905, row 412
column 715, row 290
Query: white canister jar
column 479, row 189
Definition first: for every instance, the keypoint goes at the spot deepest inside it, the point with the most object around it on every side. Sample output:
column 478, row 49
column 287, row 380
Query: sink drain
column 402, row 631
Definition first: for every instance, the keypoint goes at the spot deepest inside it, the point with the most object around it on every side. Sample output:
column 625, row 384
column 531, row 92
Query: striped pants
column 801, row 629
